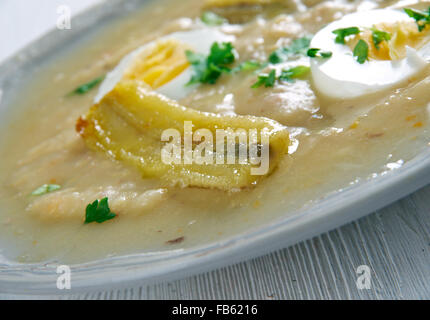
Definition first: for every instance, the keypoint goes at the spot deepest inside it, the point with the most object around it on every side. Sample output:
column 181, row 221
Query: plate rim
column 333, row 211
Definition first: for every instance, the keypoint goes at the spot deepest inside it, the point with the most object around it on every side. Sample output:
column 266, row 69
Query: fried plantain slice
column 129, row 122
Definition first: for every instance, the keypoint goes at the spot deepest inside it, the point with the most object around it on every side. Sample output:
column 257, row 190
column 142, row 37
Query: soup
column 55, row 172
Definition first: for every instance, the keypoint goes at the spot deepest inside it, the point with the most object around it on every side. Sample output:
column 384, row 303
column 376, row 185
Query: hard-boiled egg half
column 390, row 63
column 162, row 64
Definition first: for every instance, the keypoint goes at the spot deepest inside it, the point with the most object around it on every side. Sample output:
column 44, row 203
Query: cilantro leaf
column 361, row 51
column 378, row 36
column 341, row 34
column 422, row 18
column 98, row 212
column 296, row 72
column 268, row 80
column 212, row 19
column 317, row 53
column 44, row 189
column 87, row 86
column 297, row 47
column 209, row 69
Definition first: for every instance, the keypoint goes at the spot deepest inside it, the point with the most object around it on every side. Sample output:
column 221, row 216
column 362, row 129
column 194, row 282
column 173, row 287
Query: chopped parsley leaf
column 361, row 51
column 212, row 19
column 378, row 36
column 98, row 212
column 209, row 69
column 44, row 189
column 296, row 72
column 317, row 53
column 341, row 34
column 422, row 18
column 87, row 86
column 277, row 56
column 250, row 65
column 297, row 47
column 268, row 80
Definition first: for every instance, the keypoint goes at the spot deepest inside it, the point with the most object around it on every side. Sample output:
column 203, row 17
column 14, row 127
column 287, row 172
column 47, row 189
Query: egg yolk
column 159, row 64
column 402, row 34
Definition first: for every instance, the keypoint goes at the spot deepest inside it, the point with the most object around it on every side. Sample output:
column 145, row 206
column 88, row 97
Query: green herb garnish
column 268, row 80
column 361, row 51
column 44, row 189
column 317, row 53
column 341, row 34
column 87, row 86
column 98, row 212
column 296, row 72
column 212, row 19
column 250, row 65
column 209, row 69
column 422, row 18
column 297, row 47
column 378, row 36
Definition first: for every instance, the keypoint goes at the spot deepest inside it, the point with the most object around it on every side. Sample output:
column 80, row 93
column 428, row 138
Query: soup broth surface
column 336, row 143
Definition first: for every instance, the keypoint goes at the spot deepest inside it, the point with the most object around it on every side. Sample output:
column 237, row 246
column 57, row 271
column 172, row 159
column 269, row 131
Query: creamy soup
column 335, row 142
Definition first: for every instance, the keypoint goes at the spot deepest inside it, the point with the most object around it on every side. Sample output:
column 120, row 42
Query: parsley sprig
column 296, row 72
column 209, row 69
column 249, row 65
column 87, row 86
column 288, row 75
column 266, row 80
column 317, row 53
column 422, row 18
column 298, row 47
column 378, row 36
column 361, row 51
column 98, row 211
column 341, row 34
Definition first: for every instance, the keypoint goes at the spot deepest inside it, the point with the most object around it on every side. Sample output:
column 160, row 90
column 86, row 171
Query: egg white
column 343, row 77
column 200, row 40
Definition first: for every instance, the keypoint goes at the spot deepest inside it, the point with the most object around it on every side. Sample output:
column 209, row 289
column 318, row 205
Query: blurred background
column 23, row 21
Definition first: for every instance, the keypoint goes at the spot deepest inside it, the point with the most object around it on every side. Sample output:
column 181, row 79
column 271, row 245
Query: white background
column 22, row 21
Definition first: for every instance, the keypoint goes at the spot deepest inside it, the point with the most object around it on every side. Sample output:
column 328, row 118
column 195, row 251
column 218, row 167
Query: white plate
column 331, row 212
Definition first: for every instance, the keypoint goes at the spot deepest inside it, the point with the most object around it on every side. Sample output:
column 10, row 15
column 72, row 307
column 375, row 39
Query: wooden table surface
column 393, row 242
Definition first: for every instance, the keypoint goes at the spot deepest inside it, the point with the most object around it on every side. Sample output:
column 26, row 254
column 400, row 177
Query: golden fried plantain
column 130, row 120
